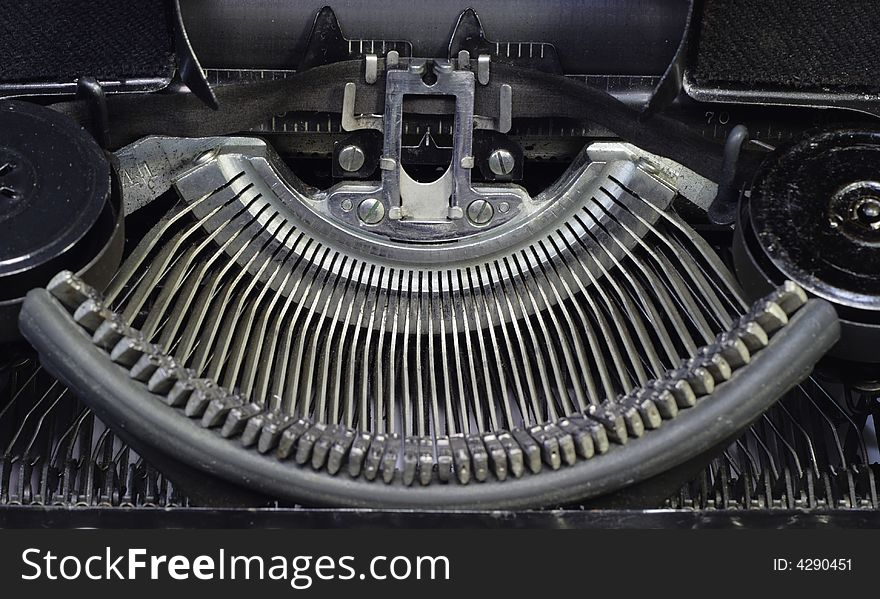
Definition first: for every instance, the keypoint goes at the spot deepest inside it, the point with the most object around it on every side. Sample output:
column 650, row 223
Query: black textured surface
column 61, row 40
column 813, row 216
column 795, row 44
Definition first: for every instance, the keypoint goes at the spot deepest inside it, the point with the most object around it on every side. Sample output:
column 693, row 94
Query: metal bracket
column 91, row 92
column 426, row 210
column 352, row 122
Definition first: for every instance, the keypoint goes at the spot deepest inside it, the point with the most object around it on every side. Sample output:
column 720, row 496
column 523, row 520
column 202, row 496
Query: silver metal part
column 432, row 210
column 501, row 162
column 249, row 167
column 371, row 211
column 351, row 158
column 483, row 69
column 695, row 188
column 399, row 214
column 350, row 122
column 148, row 167
column 480, row 212
column 371, row 73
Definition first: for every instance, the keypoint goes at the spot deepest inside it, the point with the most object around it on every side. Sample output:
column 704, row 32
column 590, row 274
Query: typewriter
column 582, row 261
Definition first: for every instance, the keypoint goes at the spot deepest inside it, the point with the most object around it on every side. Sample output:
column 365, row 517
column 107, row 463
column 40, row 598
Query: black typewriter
column 585, row 263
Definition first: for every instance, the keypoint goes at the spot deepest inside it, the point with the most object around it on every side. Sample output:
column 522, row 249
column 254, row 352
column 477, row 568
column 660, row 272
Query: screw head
column 867, row 212
column 351, row 158
column 480, row 212
column 854, row 211
column 371, row 211
column 346, row 205
column 501, row 162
